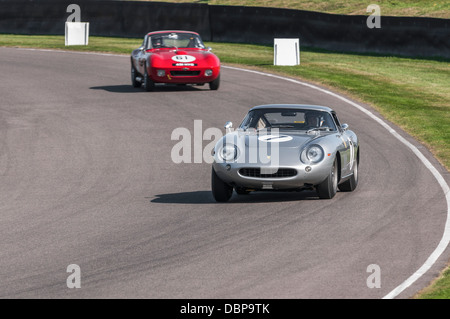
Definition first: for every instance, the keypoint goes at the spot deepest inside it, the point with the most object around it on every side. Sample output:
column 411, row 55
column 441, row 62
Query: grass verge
column 409, row 8
column 439, row 289
column 413, row 93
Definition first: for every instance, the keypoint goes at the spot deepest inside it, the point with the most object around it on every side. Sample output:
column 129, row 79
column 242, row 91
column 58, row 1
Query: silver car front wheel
column 328, row 188
column 221, row 191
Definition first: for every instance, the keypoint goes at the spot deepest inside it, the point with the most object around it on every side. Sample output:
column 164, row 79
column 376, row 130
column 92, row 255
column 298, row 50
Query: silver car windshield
column 289, row 119
column 175, row 40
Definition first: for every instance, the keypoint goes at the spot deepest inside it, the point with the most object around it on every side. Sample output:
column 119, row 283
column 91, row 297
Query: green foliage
column 410, row 8
column 440, row 289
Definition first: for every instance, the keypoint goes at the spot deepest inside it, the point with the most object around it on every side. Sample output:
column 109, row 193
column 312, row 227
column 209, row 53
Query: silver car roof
column 293, row 106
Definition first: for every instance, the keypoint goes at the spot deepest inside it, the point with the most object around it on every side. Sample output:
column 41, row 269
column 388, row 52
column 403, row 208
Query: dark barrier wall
column 397, row 35
column 403, row 36
column 106, row 18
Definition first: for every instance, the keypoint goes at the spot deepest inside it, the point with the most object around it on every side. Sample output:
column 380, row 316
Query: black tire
column 221, row 191
column 328, row 188
column 350, row 185
column 214, row 85
column 149, row 85
column 134, row 80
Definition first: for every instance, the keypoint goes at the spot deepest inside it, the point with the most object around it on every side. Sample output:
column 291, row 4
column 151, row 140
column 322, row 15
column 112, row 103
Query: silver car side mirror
column 209, row 49
column 228, row 125
column 344, row 127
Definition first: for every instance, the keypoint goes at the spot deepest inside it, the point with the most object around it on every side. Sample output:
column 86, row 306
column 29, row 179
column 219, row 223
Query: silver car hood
column 285, row 139
column 282, row 148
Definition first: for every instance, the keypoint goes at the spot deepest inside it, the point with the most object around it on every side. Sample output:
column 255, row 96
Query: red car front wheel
column 214, row 85
column 149, row 85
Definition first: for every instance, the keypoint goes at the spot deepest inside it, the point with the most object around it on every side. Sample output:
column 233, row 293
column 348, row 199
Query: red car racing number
column 183, row 58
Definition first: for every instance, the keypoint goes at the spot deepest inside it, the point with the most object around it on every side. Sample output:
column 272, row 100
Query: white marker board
column 286, row 51
column 77, row 33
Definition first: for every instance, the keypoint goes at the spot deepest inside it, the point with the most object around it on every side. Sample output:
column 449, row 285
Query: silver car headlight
column 312, row 154
column 228, row 152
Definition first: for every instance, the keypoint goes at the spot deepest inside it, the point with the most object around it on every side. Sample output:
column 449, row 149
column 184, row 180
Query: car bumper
column 270, row 178
column 183, row 75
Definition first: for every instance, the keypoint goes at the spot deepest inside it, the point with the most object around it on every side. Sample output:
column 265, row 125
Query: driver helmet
column 313, row 119
column 156, row 42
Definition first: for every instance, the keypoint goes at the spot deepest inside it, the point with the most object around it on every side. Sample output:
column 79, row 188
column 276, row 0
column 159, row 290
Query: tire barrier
column 420, row 37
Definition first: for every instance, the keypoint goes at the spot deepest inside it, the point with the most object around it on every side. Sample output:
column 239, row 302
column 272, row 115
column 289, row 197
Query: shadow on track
column 205, row 197
column 126, row 88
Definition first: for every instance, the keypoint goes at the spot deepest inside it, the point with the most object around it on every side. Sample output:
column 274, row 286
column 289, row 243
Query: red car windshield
column 175, row 40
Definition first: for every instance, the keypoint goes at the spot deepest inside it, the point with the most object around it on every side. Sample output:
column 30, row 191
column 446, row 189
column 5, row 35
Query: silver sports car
column 289, row 148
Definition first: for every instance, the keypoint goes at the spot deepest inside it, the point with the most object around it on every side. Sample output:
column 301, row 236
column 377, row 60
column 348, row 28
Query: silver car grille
column 256, row 172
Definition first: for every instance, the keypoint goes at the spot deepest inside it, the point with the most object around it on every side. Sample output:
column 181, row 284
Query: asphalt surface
column 87, row 178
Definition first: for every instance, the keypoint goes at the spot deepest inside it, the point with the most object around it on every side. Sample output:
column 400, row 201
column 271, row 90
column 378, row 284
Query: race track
column 87, row 178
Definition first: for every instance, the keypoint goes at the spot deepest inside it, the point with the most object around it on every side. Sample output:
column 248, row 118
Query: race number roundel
column 275, row 138
column 183, row 58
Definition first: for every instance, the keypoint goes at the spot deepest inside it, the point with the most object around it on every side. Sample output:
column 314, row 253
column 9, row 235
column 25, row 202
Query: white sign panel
column 183, row 58
column 77, row 33
column 286, row 52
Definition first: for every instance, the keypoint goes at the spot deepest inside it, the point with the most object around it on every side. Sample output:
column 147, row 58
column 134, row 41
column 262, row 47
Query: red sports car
column 174, row 57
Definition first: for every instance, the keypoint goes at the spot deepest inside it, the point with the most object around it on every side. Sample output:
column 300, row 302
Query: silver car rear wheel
column 350, row 185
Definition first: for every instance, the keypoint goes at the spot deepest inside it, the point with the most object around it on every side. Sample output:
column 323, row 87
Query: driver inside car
column 156, row 43
column 313, row 120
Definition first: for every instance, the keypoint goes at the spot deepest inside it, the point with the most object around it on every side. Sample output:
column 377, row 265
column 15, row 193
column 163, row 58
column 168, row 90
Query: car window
column 293, row 119
column 261, row 124
column 174, row 39
column 285, row 117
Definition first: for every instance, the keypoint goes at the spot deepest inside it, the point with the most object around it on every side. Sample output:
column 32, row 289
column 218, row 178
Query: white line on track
column 445, row 240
